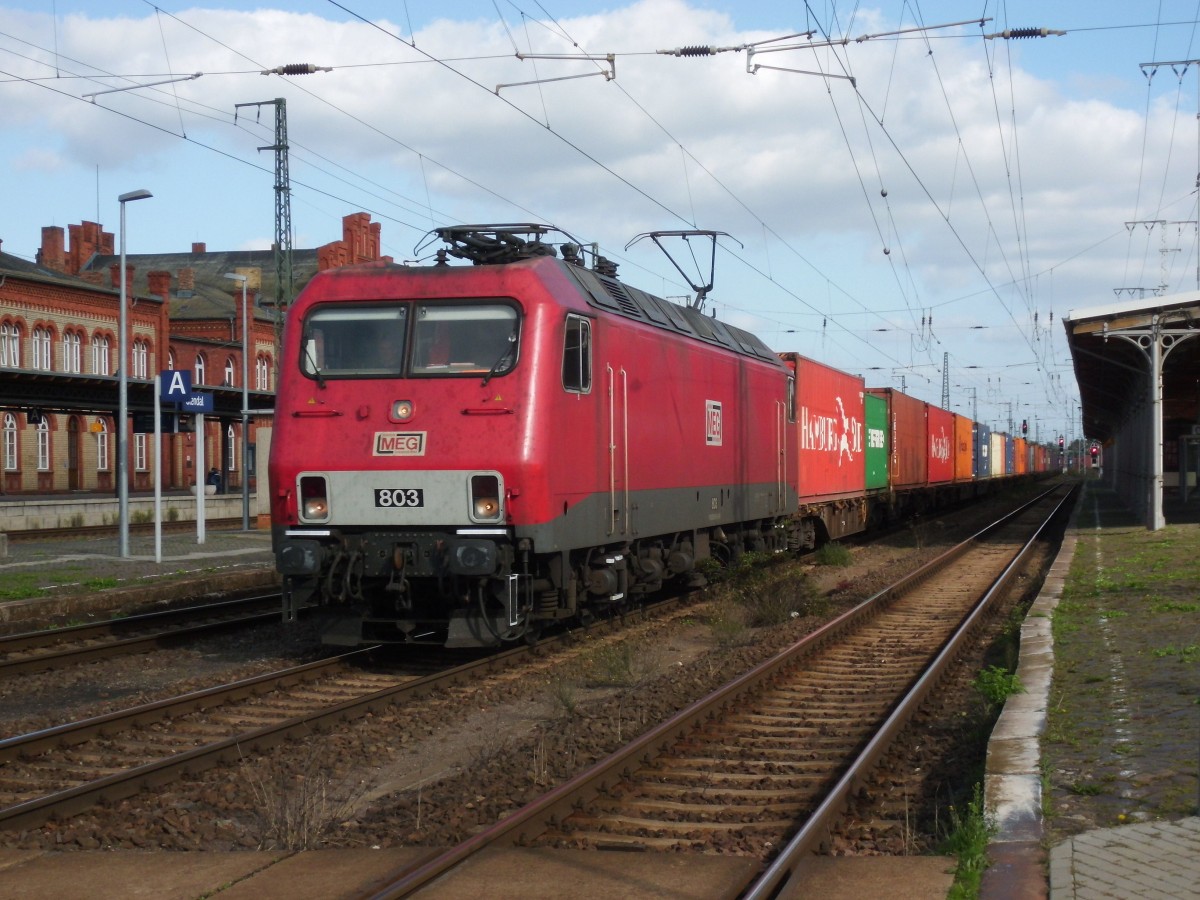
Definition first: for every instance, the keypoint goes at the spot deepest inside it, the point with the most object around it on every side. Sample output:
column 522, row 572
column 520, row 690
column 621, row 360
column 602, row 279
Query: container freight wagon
column 996, row 449
column 964, row 448
column 878, row 443
column 983, row 457
column 940, row 443
column 1020, row 456
column 1041, row 458
column 828, row 447
column 908, row 460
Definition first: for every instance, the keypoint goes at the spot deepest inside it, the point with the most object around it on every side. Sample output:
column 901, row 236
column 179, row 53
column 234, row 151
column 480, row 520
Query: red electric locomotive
column 463, row 453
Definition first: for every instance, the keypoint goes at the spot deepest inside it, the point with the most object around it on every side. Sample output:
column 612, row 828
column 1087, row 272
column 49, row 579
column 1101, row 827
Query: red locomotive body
column 462, row 453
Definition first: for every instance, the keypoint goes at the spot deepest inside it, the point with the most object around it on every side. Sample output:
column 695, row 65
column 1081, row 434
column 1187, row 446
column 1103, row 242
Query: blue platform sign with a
column 175, row 387
column 197, row 403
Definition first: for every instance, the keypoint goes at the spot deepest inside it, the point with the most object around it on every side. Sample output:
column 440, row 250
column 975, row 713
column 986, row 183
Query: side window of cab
column 577, row 355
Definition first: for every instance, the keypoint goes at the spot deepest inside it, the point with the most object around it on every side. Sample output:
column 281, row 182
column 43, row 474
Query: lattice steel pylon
column 283, row 217
column 946, row 380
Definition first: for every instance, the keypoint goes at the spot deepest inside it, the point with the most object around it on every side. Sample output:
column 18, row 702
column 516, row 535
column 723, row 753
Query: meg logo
column 712, row 423
column 399, row 443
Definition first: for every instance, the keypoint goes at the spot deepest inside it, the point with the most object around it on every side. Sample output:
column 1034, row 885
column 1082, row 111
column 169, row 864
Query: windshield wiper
column 315, row 368
column 507, row 354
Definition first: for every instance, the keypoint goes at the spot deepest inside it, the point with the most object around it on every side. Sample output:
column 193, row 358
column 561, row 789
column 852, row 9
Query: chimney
column 187, row 279
column 199, row 247
column 53, row 248
column 160, row 284
column 115, row 270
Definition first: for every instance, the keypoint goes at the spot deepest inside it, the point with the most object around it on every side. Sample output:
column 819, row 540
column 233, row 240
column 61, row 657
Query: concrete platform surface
column 1151, row 859
column 497, row 875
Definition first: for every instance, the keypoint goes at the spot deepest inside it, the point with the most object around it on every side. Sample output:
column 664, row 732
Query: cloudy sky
column 897, row 189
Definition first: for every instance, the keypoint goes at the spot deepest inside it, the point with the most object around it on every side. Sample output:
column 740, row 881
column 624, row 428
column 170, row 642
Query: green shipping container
column 878, row 441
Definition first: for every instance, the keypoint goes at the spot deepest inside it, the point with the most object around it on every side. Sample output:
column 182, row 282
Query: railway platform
column 55, row 579
column 1150, row 850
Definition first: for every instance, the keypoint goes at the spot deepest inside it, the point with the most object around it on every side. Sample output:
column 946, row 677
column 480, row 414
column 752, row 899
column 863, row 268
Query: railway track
column 61, row 771
column 769, row 760
column 38, row 651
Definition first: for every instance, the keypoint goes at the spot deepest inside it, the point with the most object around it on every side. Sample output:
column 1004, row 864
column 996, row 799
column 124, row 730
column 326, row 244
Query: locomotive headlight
column 314, row 498
column 402, row 410
column 485, row 498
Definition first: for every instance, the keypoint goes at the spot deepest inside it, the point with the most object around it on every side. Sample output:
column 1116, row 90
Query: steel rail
column 158, row 772
column 787, row 869
column 121, row 646
column 532, row 819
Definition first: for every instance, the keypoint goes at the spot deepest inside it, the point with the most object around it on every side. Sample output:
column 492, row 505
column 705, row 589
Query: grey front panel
column 410, row 499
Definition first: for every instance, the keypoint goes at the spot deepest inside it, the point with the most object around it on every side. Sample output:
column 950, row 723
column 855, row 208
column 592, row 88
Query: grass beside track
column 1124, row 712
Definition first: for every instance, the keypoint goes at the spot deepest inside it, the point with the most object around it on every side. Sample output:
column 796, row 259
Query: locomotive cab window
column 464, row 339
column 354, row 342
column 577, row 355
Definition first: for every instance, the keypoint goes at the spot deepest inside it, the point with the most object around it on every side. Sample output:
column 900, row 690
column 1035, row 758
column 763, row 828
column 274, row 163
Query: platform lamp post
column 123, row 393
column 245, row 402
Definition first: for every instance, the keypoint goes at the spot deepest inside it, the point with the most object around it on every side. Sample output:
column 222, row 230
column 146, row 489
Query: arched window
column 10, row 345
column 171, row 360
column 101, row 361
column 72, row 352
column 262, row 374
column 141, row 359
column 10, row 442
column 42, row 344
column 102, row 446
column 229, row 372
column 43, row 446
column 198, row 375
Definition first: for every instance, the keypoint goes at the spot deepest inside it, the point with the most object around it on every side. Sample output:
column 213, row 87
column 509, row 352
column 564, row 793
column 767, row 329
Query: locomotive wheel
column 727, row 555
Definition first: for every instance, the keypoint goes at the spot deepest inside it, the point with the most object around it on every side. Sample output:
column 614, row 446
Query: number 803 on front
column 399, row 498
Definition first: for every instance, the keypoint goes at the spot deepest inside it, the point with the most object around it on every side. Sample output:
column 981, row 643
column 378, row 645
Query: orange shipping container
column 963, row 456
column 1022, row 455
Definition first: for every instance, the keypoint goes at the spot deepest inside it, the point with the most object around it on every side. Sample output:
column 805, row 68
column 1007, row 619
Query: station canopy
column 1113, row 373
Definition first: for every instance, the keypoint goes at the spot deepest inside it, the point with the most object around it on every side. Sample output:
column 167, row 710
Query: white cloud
column 990, row 176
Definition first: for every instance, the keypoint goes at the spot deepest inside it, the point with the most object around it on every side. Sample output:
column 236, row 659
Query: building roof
column 206, row 293
column 16, row 265
column 1113, row 372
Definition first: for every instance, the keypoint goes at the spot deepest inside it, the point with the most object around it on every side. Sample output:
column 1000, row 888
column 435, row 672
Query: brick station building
column 59, row 348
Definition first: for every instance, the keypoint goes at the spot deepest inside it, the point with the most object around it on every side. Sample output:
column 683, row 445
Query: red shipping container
column 940, row 444
column 828, row 443
column 909, row 464
column 964, row 429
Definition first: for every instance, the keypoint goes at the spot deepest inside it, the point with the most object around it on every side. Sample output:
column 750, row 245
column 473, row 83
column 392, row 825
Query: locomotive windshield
column 474, row 339
column 470, row 339
column 353, row 341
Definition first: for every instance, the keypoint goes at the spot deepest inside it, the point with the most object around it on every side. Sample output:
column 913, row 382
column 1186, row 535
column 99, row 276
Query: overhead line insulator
column 297, row 69
column 1012, row 34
